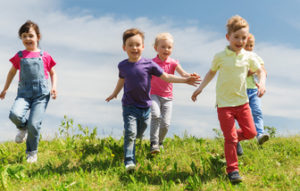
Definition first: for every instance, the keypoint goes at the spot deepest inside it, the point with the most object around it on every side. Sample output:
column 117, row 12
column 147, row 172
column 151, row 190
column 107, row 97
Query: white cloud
column 87, row 50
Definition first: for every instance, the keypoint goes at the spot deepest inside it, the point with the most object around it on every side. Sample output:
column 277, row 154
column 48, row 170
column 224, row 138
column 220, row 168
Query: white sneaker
column 31, row 158
column 262, row 138
column 130, row 167
column 20, row 137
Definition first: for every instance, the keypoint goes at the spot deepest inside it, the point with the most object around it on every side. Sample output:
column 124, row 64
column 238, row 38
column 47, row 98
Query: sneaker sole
column 19, row 141
column 130, row 169
column 236, row 181
column 263, row 139
column 154, row 152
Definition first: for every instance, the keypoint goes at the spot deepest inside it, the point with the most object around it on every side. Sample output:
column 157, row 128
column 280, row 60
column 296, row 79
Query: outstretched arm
column 117, row 89
column 250, row 73
column 10, row 76
column 181, row 71
column 191, row 80
column 208, row 77
column 262, row 82
column 53, row 83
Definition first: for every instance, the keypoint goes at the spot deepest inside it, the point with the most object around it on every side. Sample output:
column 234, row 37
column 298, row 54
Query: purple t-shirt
column 138, row 81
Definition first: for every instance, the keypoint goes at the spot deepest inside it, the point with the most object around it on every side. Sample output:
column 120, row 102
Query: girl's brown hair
column 26, row 27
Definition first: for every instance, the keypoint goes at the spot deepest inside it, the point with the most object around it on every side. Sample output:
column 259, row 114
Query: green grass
column 78, row 160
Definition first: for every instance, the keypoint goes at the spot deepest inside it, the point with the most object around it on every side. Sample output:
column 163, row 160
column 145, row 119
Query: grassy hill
column 78, row 160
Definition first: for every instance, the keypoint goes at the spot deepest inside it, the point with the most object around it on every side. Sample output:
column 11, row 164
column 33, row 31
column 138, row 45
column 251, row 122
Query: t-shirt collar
column 159, row 61
column 232, row 53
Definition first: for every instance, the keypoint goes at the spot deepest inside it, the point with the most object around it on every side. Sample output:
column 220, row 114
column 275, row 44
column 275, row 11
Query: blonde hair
column 236, row 23
column 251, row 36
column 163, row 36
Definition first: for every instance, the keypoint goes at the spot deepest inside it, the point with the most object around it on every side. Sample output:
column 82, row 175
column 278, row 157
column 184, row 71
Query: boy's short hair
column 132, row 32
column 236, row 23
column 163, row 36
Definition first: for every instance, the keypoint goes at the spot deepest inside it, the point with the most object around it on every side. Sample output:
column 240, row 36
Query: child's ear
column 123, row 47
column 227, row 36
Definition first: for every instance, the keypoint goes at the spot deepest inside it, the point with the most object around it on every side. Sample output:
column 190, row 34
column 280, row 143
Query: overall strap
column 41, row 53
column 20, row 54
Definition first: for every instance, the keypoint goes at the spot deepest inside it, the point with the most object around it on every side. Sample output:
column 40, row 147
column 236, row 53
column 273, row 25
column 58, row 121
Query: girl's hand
column 195, row 94
column 193, row 80
column 195, row 75
column 53, row 93
column 110, row 97
column 2, row 95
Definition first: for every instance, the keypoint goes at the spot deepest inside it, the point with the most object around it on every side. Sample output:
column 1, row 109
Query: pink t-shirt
column 47, row 59
column 158, row 86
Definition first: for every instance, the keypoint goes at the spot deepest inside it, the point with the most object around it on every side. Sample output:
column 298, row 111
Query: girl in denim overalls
column 33, row 91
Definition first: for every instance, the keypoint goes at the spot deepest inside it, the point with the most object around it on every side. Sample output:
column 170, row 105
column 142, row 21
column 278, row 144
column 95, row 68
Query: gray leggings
column 161, row 111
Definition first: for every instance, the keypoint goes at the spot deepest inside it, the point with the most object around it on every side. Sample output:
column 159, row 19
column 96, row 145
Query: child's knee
column 34, row 128
column 251, row 134
column 14, row 117
column 165, row 125
column 155, row 115
column 130, row 135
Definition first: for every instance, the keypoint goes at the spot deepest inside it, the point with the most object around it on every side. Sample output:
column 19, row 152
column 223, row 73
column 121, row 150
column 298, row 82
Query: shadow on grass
column 211, row 168
column 107, row 155
column 87, row 157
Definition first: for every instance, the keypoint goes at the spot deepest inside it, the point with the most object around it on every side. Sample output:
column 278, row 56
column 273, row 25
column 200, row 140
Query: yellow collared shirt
column 233, row 69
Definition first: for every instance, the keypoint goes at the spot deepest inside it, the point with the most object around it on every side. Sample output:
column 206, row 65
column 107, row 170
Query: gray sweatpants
column 161, row 111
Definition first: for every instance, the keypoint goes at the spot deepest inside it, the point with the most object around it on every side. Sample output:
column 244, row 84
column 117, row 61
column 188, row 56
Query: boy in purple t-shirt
column 135, row 76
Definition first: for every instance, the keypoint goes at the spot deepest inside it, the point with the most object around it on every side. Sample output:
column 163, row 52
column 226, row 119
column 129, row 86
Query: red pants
column 227, row 117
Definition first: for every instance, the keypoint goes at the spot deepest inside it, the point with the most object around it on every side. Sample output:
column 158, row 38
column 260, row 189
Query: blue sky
column 271, row 20
column 84, row 38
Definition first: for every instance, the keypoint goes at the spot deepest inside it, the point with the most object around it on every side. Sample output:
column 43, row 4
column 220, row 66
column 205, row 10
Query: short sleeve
column 15, row 61
column 260, row 60
column 255, row 62
column 215, row 63
column 120, row 75
column 156, row 69
column 48, row 60
column 175, row 64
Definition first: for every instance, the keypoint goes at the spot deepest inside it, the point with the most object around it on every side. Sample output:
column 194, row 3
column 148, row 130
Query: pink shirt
column 47, row 59
column 160, row 87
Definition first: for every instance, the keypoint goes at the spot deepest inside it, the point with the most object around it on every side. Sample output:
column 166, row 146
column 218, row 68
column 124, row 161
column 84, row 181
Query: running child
column 135, row 76
column 231, row 97
column 162, row 92
column 254, row 99
column 33, row 90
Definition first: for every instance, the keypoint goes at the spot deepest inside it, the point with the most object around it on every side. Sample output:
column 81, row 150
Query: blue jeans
column 136, row 121
column 255, row 105
column 31, row 122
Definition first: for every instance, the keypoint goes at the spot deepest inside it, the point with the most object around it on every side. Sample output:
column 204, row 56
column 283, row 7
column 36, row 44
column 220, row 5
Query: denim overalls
column 33, row 94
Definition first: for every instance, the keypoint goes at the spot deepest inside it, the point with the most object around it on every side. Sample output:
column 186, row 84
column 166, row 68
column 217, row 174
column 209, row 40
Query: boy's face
column 250, row 44
column 238, row 39
column 164, row 48
column 134, row 47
